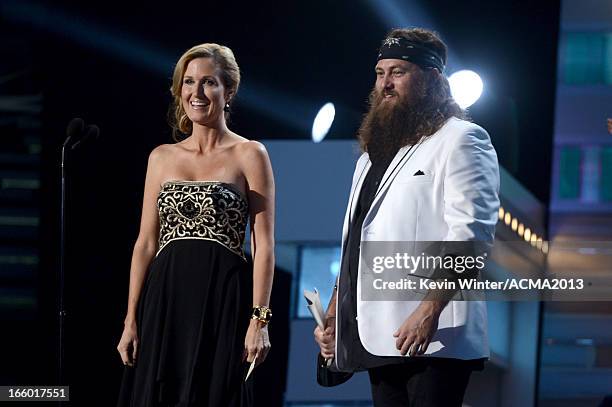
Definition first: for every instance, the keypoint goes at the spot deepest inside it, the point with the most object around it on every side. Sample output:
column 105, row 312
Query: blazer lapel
column 362, row 170
column 400, row 159
column 357, row 189
column 401, row 154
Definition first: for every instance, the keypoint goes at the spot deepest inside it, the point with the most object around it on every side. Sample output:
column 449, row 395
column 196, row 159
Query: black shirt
column 355, row 357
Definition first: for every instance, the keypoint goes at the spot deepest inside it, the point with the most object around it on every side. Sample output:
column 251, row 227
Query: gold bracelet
column 262, row 314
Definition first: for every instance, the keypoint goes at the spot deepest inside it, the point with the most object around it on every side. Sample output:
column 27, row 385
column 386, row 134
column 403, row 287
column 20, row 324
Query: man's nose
column 388, row 82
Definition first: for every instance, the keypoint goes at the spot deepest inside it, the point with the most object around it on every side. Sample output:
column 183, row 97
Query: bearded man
column 426, row 174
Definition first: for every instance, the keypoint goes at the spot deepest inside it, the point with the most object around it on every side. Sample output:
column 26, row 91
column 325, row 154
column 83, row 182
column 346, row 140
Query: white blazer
column 455, row 200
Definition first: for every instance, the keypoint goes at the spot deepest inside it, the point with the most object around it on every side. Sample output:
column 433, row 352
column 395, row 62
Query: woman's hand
column 128, row 345
column 256, row 342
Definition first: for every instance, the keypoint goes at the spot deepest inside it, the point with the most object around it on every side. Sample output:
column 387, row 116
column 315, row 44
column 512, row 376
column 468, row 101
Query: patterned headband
column 401, row 48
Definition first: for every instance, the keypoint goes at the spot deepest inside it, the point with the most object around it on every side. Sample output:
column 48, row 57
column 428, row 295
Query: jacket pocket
column 426, row 177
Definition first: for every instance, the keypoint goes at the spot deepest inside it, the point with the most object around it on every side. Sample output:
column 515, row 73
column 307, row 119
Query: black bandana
column 401, row 48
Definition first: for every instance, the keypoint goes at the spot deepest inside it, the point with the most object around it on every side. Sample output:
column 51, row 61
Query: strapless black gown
column 194, row 308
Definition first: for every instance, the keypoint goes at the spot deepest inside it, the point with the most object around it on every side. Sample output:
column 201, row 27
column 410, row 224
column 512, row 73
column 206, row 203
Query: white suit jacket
column 455, row 200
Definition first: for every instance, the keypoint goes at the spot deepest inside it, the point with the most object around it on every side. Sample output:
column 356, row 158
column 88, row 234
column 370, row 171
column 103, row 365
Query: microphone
column 92, row 132
column 74, row 129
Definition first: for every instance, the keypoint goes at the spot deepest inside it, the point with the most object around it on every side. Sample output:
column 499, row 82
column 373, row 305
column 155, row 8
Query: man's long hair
column 388, row 128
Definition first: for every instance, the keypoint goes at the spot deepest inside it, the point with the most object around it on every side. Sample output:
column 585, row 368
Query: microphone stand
column 62, row 311
column 75, row 128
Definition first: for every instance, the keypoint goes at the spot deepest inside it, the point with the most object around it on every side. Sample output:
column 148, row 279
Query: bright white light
column 466, row 87
column 322, row 123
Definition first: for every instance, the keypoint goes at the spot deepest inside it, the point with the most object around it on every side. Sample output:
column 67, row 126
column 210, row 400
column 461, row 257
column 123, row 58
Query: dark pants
column 428, row 383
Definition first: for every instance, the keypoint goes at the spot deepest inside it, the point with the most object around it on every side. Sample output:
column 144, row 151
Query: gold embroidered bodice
column 208, row 210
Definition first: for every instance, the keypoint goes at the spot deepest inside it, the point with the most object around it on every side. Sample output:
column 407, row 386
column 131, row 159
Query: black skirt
column 192, row 319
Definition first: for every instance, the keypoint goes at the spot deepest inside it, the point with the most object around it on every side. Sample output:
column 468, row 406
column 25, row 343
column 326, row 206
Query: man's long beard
column 387, row 127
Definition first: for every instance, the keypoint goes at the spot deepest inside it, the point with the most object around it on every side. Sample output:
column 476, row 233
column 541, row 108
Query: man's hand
column 326, row 339
column 414, row 335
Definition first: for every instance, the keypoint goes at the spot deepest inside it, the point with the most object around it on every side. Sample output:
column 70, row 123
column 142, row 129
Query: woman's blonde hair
column 224, row 59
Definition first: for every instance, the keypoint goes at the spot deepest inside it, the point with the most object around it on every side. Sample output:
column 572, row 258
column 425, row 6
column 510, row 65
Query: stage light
column 322, row 122
column 507, row 218
column 521, row 229
column 466, row 87
column 527, row 235
column 514, row 224
column 501, row 213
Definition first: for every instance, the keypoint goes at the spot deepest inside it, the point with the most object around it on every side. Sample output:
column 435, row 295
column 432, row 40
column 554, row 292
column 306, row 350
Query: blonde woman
column 197, row 312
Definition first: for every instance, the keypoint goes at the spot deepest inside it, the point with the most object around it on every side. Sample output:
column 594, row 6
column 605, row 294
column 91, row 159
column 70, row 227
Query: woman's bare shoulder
column 253, row 159
column 162, row 152
column 250, row 148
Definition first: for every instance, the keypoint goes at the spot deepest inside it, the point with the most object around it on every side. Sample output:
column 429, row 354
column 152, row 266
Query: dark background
column 110, row 63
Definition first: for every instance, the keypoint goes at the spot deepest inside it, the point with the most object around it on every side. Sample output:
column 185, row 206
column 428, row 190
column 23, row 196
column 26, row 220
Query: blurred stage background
column 547, row 73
